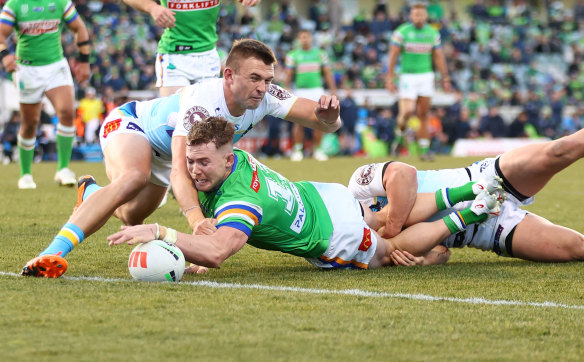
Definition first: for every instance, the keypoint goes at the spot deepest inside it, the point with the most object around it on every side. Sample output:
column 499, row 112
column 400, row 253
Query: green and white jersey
column 38, row 24
column 275, row 213
column 195, row 27
column 416, row 47
column 307, row 66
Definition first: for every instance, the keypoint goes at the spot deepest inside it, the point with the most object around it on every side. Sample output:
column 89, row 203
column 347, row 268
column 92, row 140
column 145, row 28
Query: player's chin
column 254, row 103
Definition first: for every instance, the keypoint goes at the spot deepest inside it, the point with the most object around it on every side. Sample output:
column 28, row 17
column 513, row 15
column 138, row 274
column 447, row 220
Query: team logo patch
column 111, row 126
column 279, row 92
column 366, row 175
column 194, row 114
column 366, row 242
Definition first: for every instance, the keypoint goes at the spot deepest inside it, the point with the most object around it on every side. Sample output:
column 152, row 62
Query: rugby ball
column 156, row 261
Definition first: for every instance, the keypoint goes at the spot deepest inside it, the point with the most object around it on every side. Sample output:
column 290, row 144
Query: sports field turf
column 268, row 306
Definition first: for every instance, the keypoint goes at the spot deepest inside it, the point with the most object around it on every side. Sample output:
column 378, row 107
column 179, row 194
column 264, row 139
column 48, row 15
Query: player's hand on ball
column 133, row 235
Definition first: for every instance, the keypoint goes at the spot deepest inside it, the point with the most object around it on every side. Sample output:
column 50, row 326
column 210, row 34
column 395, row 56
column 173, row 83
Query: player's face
column 419, row 17
column 209, row 166
column 251, row 82
column 305, row 39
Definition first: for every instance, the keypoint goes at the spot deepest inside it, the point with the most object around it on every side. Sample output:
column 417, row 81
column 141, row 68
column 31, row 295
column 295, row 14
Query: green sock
column 26, row 154
column 458, row 220
column 65, row 138
column 424, row 145
column 447, row 197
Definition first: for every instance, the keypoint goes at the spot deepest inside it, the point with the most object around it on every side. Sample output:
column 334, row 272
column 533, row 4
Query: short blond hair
column 249, row 48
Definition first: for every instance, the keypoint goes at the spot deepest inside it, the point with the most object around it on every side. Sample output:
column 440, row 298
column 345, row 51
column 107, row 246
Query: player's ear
column 228, row 73
column 230, row 159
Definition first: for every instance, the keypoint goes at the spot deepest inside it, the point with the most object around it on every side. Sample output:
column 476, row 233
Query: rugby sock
column 424, row 145
column 26, row 154
column 298, row 147
column 89, row 189
column 65, row 138
column 448, row 197
column 458, row 220
column 68, row 238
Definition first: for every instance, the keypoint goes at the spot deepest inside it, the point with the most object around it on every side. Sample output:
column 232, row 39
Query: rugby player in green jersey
column 186, row 50
column 38, row 69
column 419, row 45
column 321, row 222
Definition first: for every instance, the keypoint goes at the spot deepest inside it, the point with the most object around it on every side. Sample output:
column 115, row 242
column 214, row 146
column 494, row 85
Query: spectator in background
column 91, row 109
column 9, row 136
column 349, row 115
column 492, row 124
column 517, row 127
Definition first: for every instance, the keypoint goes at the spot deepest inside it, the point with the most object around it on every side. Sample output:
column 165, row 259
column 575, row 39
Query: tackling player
column 253, row 204
column 144, row 146
column 515, row 232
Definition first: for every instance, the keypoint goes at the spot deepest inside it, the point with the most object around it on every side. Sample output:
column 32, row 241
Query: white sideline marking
column 351, row 292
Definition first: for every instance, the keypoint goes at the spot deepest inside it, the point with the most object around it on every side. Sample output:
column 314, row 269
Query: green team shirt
column 416, row 47
column 38, row 24
column 307, row 66
column 195, row 27
column 275, row 213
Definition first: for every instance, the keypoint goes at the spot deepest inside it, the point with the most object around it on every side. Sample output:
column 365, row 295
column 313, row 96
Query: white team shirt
column 206, row 98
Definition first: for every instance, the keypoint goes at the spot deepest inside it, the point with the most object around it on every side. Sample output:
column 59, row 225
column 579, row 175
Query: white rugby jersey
column 206, row 98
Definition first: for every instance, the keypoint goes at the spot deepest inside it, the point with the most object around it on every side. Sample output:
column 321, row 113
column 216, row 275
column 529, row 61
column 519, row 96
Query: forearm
column 424, row 207
column 419, row 239
column 198, row 249
column 440, row 61
column 144, row 6
column 187, row 196
column 330, row 80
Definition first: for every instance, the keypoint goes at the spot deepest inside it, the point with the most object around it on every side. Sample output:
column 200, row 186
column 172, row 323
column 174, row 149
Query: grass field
column 267, row 306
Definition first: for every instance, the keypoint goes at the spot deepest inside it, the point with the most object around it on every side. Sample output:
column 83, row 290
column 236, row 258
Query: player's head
column 210, row 152
column 418, row 15
column 249, row 71
column 305, row 39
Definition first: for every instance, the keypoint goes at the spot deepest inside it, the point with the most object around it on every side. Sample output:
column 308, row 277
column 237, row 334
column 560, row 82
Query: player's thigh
column 407, row 106
column 538, row 239
column 423, row 107
column 125, row 153
column 143, row 204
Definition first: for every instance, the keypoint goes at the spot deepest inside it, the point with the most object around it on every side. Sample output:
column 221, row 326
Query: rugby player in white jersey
column 514, row 233
column 143, row 141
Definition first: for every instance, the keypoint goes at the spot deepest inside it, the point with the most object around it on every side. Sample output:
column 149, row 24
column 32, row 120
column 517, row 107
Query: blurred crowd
column 500, row 54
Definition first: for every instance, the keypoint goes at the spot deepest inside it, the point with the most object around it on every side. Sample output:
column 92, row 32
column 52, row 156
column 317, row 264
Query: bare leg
column 127, row 160
column 528, row 169
column 424, row 208
column 63, row 100
column 31, row 117
column 422, row 110
column 406, row 110
column 538, row 239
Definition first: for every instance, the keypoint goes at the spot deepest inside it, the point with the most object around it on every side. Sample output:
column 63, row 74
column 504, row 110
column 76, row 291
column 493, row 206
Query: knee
column 66, row 116
column 566, row 146
column 577, row 247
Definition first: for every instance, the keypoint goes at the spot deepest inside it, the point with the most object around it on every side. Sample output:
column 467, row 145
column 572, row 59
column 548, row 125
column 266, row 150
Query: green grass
column 76, row 319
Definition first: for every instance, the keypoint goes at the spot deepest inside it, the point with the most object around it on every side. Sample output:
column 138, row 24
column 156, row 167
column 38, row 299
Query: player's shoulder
column 404, row 27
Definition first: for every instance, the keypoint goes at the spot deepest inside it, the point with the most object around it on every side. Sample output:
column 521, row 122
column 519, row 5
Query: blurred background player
column 186, row 50
column 306, row 67
column 419, row 44
column 38, row 69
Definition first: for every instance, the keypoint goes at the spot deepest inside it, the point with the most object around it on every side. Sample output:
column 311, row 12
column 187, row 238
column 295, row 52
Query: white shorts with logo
column 118, row 122
column 179, row 70
column 412, row 86
column 33, row 81
column 352, row 244
column 310, row 93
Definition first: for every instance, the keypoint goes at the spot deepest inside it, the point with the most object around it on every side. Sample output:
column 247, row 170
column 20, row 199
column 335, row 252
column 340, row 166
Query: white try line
column 350, row 292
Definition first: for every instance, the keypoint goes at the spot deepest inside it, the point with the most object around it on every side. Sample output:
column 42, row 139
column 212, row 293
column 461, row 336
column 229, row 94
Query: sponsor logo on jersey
column 188, row 5
column 38, row 9
column 300, row 217
column 52, row 7
column 366, row 175
column 255, row 180
column 39, row 27
column 308, row 67
column 366, row 242
column 194, row 114
column 111, row 126
column 279, row 92
column 134, row 126
column 24, row 9
column 418, row 48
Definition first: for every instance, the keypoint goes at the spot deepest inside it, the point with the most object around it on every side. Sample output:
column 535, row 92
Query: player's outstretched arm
column 438, row 255
column 182, row 185
column 205, row 250
column 322, row 115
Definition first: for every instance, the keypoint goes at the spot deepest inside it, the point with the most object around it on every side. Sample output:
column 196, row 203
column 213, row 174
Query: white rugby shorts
column 352, row 244
column 120, row 122
column 412, row 86
column 33, row 81
column 179, row 70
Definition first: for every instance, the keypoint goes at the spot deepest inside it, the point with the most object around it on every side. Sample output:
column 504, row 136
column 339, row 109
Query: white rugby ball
column 156, row 261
